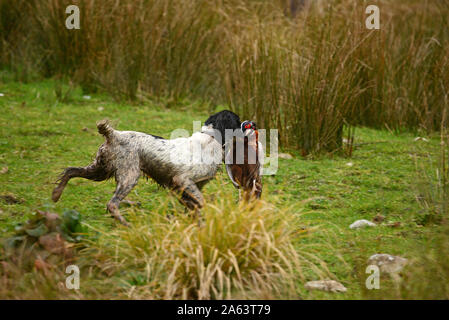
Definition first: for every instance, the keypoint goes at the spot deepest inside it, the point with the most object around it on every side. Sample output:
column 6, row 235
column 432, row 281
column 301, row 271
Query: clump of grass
column 432, row 188
column 241, row 251
column 35, row 285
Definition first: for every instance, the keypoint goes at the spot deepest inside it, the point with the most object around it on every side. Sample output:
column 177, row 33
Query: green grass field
column 40, row 135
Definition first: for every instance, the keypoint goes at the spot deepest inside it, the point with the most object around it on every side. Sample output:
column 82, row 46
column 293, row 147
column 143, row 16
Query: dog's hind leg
column 191, row 197
column 92, row 172
column 189, row 191
column 126, row 180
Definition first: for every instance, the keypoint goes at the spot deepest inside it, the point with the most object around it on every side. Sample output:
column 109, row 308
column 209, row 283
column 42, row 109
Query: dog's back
column 195, row 157
column 125, row 154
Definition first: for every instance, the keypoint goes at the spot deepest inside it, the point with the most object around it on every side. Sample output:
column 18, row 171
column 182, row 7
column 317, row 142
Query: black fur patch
column 224, row 120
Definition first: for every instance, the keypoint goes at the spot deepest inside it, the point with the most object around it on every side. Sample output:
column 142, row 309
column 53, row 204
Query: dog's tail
column 105, row 129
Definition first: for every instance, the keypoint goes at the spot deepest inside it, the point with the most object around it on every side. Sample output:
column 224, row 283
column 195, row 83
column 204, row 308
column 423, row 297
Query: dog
column 125, row 154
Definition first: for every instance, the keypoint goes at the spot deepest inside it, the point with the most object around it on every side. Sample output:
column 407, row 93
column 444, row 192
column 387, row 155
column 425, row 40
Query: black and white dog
column 182, row 164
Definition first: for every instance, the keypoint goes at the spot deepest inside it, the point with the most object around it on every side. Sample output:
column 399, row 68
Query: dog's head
column 221, row 121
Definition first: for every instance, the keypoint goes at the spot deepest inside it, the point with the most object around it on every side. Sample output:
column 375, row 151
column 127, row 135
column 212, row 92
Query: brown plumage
column 247, row 175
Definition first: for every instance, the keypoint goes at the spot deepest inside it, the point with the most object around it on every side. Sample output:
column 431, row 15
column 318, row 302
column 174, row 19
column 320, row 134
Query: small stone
column 388, row 263
column 87, row 97
column 285, row 156
column 2, row 94
column 4, row 170
column 85, row 129
column 325, row 285
column 421, row 138
column 361, row 224
column 349, row 164
column 100, row 108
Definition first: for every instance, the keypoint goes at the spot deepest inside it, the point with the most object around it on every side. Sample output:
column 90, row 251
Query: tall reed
column 305, row 73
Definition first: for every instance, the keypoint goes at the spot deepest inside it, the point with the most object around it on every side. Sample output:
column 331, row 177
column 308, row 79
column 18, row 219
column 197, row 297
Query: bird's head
column 248, row 127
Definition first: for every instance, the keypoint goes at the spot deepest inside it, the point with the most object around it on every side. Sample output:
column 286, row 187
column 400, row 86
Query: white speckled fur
column 182, row 164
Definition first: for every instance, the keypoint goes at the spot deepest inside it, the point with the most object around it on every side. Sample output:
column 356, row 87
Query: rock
column 285, row 156
column 2, row 94
column 349, row 164
column 421, row 138
column 87, row 97
column 388, row 263
column 100, row 108
column 4, row 170
column 361, row 224
column 325, row 285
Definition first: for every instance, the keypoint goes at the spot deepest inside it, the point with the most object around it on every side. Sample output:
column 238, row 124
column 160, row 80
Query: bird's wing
column 228, row 169
column 260, row 157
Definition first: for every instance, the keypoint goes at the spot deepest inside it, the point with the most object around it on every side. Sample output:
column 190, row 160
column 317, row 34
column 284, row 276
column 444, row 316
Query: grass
column 322, row 196
column 241, row 252
column 306, row 75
